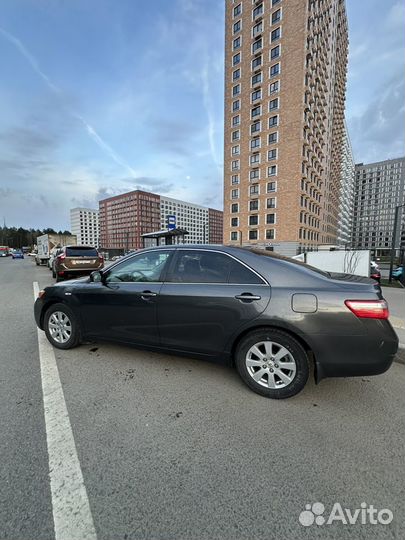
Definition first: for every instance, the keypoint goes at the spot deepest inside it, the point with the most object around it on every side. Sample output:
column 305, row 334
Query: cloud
column 378, row 132
column 89, row 129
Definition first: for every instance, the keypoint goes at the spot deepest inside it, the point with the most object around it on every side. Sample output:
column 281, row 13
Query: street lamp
column 394, row 237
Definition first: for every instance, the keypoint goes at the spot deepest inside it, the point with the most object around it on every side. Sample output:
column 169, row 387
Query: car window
column 145, row 267
column 81, row 252
column 193, row 266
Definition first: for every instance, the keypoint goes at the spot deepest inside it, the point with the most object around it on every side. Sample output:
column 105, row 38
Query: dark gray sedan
column 265, row 314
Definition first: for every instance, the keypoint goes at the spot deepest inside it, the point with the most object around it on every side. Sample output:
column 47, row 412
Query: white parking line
column 70, row 505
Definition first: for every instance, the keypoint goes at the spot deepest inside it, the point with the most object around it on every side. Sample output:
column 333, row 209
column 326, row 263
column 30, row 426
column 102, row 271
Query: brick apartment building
column 124, row 218
column 285, row 83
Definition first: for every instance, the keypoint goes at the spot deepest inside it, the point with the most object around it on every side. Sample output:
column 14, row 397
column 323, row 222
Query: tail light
column 62, row 257
column 369, row 309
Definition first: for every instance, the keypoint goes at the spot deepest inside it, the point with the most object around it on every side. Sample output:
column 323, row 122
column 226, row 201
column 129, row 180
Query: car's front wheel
column 272, row 363
column 61, row 327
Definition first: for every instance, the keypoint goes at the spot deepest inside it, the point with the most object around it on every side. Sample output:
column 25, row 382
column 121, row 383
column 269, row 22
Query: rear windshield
column 288, row 259
column 81, row 252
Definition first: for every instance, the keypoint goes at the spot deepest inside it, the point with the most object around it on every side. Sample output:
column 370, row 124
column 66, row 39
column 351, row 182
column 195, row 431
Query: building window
column 276, row 17
column 271, row 186
column 237, row 10
column 254, row 128
column 271, row 203
column 256, row 79
column 236, row 59
column 275, row 52
column 253, row 220
column 270, row 219
column 272, row 154
column 236, row 150
column 234, row 208
column 236, row 43
column 257, row 45
column 275, row 70
column 256, row 111
column 254, row 190
column 234, row 222
column 255, row 143
column 258, row 11
column 273, row 137
column 257, row 62
column 257, row 29
column 254, row 174
column 236, row 105
column 273, row 104
column 275, row 2
column 253, row 235
column 236, row 135
column 275, row 34
column 235, row 179
column 270, row 234
column 236, row 74
column 254, row 159
column 257, row 94
column 234, row 235
column 235, row 194
column 235, row 165
column 236, row 90
column 273, row 88
column 236, row 120
column 237, row 26
column 273, row 121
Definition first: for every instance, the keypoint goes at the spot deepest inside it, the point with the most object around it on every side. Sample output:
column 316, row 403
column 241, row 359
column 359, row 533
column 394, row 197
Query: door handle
column 147, row 294
column 247, row 297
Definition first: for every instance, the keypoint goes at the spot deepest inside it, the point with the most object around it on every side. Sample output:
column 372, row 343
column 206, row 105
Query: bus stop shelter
column 164, row 237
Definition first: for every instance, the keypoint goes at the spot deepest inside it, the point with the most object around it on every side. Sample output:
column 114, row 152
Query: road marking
column 70, row 505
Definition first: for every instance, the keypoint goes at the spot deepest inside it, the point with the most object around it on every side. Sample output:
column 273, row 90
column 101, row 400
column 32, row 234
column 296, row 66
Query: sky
column 99, row 97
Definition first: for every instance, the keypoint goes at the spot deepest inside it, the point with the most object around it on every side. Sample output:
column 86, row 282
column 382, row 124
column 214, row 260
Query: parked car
column 375, row 272
column 398, row 273
column 76, row 261
column 17, row 254
column 263, row 313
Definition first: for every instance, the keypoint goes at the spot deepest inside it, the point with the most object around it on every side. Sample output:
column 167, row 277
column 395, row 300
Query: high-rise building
column 125, row 218
column 285, row 83
column 346, row 195
column 378, row 189
column 84, row 224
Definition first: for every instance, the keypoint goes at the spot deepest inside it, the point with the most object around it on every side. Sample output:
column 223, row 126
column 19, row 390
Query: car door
column 206, row 297
column 123, row 305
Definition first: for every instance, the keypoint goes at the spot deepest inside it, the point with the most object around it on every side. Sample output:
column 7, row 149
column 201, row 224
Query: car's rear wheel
column 53, row 272
column 272, row 363
column 61, row 327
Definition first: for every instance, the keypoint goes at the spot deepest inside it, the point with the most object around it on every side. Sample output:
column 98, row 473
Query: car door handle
column 247, row 297
column 147, row 294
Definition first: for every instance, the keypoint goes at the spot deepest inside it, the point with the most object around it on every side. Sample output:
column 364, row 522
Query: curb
column 400, row 356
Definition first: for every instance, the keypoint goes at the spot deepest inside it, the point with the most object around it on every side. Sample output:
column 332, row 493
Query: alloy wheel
column 60, row 327
column 271, row 365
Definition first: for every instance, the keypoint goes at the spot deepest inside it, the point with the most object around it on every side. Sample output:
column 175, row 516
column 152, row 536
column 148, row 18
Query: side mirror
column 96, row 277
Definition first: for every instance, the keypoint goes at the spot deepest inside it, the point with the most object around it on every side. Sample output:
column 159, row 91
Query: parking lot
column 176, row 448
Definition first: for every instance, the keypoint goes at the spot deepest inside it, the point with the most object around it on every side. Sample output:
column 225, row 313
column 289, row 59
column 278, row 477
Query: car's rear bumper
column 353, row 356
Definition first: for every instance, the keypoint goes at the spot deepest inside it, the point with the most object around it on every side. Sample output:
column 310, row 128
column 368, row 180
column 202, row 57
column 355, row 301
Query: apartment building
column 84, row 224
column 285, row 83
column 125, row 218
column 378, row 189
column 346, row 195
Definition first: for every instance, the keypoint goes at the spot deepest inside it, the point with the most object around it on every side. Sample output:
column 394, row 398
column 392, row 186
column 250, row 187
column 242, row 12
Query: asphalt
column 174, row 448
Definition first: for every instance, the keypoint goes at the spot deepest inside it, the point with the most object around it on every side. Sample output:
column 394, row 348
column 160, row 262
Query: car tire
column 36, row 262
column 272, row 363
column 61, row 327
column 58, row 278
column 53, row 272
